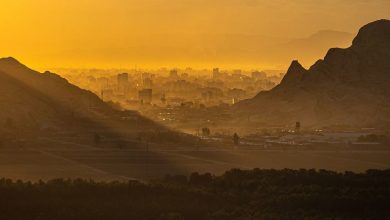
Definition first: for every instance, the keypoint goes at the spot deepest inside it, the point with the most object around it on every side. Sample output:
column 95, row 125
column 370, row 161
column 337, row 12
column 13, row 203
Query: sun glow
column 158, row 33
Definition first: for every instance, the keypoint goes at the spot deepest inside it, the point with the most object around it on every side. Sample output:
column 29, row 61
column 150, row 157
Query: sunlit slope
column 33, row 101
column 348, row 87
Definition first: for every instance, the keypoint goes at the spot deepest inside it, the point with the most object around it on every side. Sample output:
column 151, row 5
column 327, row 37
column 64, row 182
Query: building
column 211, row 94
column 216, row 84
column 106, row 94
column 102, row 82
column 216, row 73
column 163, row 99
column 258, row 75
column 123, row 79
column 123, row 82
column 173, row 74
column 147, row 83
column 237, row 72
column 184, row 75
column 145, row 96
column 146, row 75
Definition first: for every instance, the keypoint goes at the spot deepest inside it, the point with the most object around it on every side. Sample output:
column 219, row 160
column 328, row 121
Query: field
column 52, row 158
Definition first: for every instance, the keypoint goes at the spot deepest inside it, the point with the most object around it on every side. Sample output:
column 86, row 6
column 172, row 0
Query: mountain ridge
column 346, row 87
column 35, row 102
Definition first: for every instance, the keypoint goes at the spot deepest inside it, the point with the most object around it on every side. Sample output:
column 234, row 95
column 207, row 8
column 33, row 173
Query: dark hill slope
column 349, row 87
column 37, row 102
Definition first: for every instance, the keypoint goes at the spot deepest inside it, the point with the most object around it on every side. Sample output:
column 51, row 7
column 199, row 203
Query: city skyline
column 194, row 109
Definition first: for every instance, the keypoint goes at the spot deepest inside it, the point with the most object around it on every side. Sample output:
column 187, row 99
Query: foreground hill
column 41, row 102
column 32, row 99
column 348, row 87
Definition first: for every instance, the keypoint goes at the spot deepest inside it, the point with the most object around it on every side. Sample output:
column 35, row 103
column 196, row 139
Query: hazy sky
column 110, row 33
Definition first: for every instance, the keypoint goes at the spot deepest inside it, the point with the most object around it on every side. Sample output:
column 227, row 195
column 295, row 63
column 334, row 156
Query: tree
column 297, row 126
column 206, row 132
column 9, row 123
column 121, row 144
column 200, row 179
column 236, row 139
column 97, row 139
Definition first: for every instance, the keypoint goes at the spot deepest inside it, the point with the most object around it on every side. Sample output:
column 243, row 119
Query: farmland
column 46, row 158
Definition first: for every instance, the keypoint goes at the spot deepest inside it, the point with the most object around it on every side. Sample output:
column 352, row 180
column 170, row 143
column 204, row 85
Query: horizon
column 194, row 109
column 227, row 34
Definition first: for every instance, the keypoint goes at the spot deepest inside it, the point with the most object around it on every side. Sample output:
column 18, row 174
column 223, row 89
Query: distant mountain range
column 348, row 87
column 306, row 50
column 238, row 50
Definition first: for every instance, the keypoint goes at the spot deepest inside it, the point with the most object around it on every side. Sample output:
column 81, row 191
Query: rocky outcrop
column 294, row 73
column 349, row 86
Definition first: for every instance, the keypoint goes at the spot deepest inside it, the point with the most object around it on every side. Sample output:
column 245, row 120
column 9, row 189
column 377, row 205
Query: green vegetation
column 237, row 194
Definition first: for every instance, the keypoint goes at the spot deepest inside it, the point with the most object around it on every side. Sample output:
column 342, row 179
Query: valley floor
column 52, row 158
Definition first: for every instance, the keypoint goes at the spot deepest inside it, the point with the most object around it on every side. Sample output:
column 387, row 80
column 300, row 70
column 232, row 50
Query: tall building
column 123, row 78
column 145, row 96
column 216, row 73
column 173, row 73
column 146, row 75
column 147, row 83
column 258, row 75
column 123, row 82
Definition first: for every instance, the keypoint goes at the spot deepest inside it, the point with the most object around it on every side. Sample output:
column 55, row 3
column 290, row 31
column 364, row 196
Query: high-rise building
column 146, row 75
column 173, row 73
column 216, row 73
column 145, row 96
column 147, row 83
column 123, row 78
column 123, row 82
column 258, row 75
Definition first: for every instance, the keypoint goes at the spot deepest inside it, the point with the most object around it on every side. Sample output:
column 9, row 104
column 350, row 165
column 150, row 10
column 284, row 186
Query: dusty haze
column 155, row 33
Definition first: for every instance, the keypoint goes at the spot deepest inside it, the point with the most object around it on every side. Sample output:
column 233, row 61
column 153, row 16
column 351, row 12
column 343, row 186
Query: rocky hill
column 348, row 87
column 33, row 101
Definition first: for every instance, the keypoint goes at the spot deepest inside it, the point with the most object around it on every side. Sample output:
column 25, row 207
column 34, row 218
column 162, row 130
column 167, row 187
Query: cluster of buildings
column 294, row 139
column 188, row 97
column 139, row 89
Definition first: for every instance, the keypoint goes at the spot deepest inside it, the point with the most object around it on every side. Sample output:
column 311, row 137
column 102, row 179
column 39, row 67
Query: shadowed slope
column 349, row 87
column 36, row 102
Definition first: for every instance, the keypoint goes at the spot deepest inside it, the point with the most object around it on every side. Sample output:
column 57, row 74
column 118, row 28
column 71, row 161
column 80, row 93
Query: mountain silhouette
column 33, row 101
column 348, row 87
column 212, row 49
column 307, row 49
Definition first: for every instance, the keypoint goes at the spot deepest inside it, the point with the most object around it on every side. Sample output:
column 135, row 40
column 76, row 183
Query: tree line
column 237, row 194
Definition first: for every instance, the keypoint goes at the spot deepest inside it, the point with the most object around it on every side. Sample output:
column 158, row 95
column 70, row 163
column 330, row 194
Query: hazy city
column 236, row 109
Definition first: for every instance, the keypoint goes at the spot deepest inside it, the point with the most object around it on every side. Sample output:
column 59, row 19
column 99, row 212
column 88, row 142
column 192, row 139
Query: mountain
column 235, row 49
column 33, row 99
column 348, row 87
column 307, row 49
column 33, row 102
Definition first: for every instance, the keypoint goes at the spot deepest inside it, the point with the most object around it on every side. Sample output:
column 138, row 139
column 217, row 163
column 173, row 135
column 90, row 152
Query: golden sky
column 171, row 33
